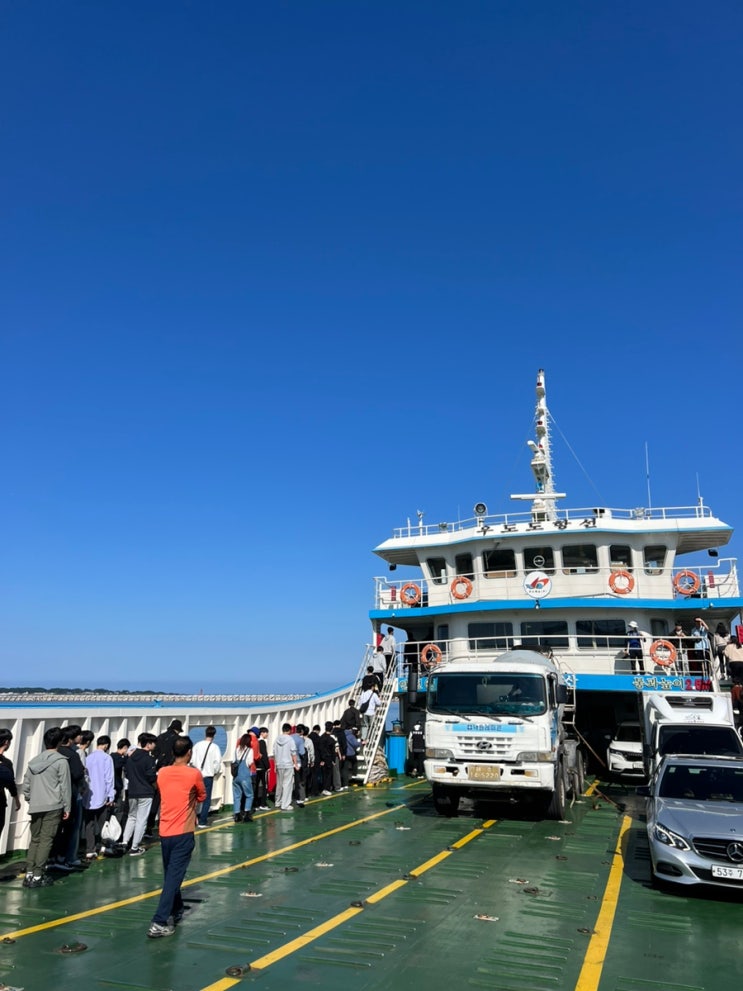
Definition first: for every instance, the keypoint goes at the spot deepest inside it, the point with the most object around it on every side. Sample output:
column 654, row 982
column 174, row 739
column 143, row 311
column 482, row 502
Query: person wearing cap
column 416, row 750
column 635, row 638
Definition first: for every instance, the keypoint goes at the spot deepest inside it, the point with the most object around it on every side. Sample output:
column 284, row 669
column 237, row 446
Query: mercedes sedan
column 695, row 820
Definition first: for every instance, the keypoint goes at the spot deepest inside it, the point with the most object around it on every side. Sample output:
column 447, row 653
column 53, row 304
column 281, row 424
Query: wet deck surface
column 370, row 889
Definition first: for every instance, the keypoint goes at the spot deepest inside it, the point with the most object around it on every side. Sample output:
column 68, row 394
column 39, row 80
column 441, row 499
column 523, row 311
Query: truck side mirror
column 562, row 695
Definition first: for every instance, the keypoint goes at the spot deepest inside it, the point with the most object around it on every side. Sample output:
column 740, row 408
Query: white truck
column 699, row 723
column 501, row 729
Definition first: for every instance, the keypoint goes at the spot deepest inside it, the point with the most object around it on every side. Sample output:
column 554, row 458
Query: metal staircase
column 368, row 752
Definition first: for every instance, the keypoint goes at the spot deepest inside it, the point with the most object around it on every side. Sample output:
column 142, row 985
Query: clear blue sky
column 275, row 276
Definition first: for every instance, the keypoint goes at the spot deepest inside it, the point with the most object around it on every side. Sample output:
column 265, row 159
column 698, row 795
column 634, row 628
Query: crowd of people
column 89, row 799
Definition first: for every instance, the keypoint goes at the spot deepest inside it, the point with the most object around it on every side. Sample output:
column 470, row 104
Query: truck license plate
column 484, row 772
column 733, row 873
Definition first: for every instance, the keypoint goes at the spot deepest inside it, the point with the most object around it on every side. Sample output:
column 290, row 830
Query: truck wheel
column 578, row 775
column 556, row 805
column 445, row 800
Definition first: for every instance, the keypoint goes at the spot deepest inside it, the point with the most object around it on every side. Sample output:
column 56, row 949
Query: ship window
column 442, row 633
column 602, row 633
column 437, row 569
column 579, row 559
column 539, row 559
column 548, row 635
column 620, row 556
column 655, row 558
column 463, row 565
column 499, row 563
column 490, row 636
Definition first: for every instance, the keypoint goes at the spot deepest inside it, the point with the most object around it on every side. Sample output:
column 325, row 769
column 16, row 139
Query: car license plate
column 484, row 772
column 733, row 873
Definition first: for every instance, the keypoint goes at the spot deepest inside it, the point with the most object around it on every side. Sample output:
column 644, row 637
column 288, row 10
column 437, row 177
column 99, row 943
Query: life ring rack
column 663, row 652
column 621, row 582
column 431, row 656
column 410, row 594
column 466, row 591
column 686, row 582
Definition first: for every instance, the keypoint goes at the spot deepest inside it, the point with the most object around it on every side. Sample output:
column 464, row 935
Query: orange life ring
column 426, row 660
column 686, row 582
column 466, row 592
column 669, row 653
column 410, row 594
column 628, row 582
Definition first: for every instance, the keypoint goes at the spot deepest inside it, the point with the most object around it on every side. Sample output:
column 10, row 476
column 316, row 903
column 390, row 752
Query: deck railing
column 589, row 517
column 718, row 581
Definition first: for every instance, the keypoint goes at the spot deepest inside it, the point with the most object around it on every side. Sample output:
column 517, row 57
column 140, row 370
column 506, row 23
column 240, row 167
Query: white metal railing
column 603, row 652
column 28, row 721
column 590, row 517
column 718, row 581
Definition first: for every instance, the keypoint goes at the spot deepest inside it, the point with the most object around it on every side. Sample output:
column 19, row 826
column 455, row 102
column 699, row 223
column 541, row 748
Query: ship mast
column 545, row 497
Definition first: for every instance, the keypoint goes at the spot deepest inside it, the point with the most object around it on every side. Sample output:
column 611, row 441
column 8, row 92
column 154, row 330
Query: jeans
column 242, row 785
column 206, row 804
column 176, row 853
column 136, row 823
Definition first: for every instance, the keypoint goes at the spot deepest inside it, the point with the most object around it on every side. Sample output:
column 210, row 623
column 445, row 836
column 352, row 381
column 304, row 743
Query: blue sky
column 275, row 276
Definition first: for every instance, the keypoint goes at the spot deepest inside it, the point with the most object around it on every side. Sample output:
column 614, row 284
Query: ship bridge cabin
column 570, row 583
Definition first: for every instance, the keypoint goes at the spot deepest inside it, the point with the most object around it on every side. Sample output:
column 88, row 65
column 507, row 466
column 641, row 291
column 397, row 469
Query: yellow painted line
column 301, row 941
column 337, row 920
column 224, row 984
column 593, row 963
column 383, row 892
column 111, row 906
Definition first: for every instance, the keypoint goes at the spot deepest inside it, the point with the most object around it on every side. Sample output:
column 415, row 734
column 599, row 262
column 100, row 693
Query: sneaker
column 156, row 930
column 263, row 808
column 137, row 851
column 326, row 792
column 201, row 825
column 27, row 880
column 91, row 856
column 300, row 804
column 289, row 808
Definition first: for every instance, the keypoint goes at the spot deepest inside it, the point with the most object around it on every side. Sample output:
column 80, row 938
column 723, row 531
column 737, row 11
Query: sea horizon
column 184, row 687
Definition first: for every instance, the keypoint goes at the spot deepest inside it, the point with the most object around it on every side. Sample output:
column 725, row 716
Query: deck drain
column 357, row 904
column 7, row 941
column 73, row 948
column 531, row 891
column 561, row 856
column 354, row 842
column 291, row 870
column 586, row 932
column 238, row 971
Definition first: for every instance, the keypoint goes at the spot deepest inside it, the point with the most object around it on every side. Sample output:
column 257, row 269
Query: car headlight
column 436, row 753
column 539, row 756
column 667, row 836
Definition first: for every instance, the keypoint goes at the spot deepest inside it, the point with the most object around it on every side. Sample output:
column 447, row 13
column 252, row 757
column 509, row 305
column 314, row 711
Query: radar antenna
column 545, row 497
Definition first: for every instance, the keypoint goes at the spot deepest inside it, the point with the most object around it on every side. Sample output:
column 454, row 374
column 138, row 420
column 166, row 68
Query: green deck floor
column 370, row 889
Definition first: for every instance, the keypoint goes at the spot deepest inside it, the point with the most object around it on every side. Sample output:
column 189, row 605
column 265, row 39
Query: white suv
column 624, row 756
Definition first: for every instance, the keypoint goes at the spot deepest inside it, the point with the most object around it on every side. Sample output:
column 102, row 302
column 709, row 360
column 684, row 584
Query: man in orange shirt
column 181, row 789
